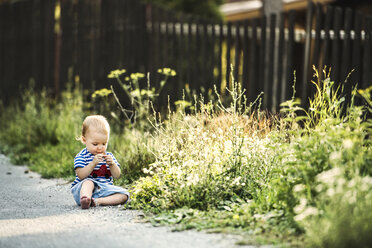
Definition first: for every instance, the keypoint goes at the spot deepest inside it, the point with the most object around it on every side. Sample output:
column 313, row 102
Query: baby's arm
column 114, row 168
column 83, row 173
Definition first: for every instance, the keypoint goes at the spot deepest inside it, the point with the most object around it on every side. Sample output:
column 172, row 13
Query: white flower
column 298, row 187
column 300, row 207
column 236, row 181
column 308, row 211
column 329, row 176
column 331, row 192
column 347, row 143
column 335, row 156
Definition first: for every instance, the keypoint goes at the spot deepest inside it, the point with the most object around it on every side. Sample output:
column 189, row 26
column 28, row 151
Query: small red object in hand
column 101, row 172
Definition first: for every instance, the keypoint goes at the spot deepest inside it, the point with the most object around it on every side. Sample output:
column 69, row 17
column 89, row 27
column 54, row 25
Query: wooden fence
column 89, row 38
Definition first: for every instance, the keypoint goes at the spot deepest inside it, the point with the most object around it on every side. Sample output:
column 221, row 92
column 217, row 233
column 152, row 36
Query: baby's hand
column 98, row 158
column 109, row 160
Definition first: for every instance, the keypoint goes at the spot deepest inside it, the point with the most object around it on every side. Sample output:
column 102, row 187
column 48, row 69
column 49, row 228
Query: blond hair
column 98, row 122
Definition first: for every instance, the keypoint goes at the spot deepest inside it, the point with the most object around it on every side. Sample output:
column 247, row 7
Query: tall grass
column 41, row 131
column 259, row 173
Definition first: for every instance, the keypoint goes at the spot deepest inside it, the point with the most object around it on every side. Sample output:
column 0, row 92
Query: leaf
column 300, row 118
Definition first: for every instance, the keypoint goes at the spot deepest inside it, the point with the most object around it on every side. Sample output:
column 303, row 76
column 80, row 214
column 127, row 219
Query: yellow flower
column 102, row 93
column 116, row 73
column 136, row 76
column 167, row 72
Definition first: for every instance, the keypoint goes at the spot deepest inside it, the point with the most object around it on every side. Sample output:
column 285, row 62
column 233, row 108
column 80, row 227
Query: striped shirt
column 83, row 158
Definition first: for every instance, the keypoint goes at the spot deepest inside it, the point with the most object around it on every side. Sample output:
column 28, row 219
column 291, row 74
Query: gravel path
column 36, row 212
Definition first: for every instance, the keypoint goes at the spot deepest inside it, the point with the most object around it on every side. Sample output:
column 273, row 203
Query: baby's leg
column 86, row 194
column 114, row 199
column 87, row 189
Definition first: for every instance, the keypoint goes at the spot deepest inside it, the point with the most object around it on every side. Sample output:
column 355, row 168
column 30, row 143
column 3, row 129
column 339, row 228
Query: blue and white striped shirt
column 83, row 158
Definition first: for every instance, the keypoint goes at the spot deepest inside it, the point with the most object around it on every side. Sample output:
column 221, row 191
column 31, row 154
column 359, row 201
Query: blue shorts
column 100, row 190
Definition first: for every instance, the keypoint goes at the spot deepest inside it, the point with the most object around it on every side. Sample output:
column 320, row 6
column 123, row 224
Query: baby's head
column 95, row 134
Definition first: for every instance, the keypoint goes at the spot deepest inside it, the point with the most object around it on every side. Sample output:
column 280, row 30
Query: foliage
column 42, row 131
column 221, row 162
column 133, row 150
column 142, row 100
column 304, row 175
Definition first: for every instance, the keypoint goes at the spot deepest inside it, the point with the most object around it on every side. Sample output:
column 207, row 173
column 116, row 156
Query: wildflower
column 300, row 207
column 329, row 176
column 167, row 72
column 331, row 192
column 347, row 143
column 102, row 93
column 137, row 75
column 235, row 217
column 116, row 73
column 335, row 156
column 308, row 211
column 236, row 181
column 298, row 188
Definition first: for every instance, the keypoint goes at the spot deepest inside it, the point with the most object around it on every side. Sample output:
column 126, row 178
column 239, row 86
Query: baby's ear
column 83, row 140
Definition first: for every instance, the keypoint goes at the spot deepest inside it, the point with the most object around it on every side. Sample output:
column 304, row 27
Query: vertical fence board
column 212, row 79
column 346, row 50
column 237, row 51
column 197, row 77
column 180, row 52
column 286, row 85
column 269, row 75
column 228, row 53
column 189, row 51
column 279, row 62
column 203, row 51
column 2, row 48
column 356, row 50
column 245, row 57
column 6, row 52
column 262, row 56
column 318, row 38
column 253, row 89
column 336, row 45
column 327, row 39
column 220, row 44
column 367, row 77
column 304, row 82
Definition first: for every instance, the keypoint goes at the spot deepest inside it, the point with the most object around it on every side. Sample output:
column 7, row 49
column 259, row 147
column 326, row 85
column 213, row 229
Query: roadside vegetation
column 302, row 177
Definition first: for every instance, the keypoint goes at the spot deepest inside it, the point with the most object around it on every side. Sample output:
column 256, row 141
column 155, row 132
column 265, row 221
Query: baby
column 95, row 168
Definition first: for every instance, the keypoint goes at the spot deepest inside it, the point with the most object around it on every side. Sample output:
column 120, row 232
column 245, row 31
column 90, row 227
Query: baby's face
column 95, row 141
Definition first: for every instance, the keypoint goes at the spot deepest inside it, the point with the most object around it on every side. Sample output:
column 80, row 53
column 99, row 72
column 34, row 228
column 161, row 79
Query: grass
column 300, row 178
